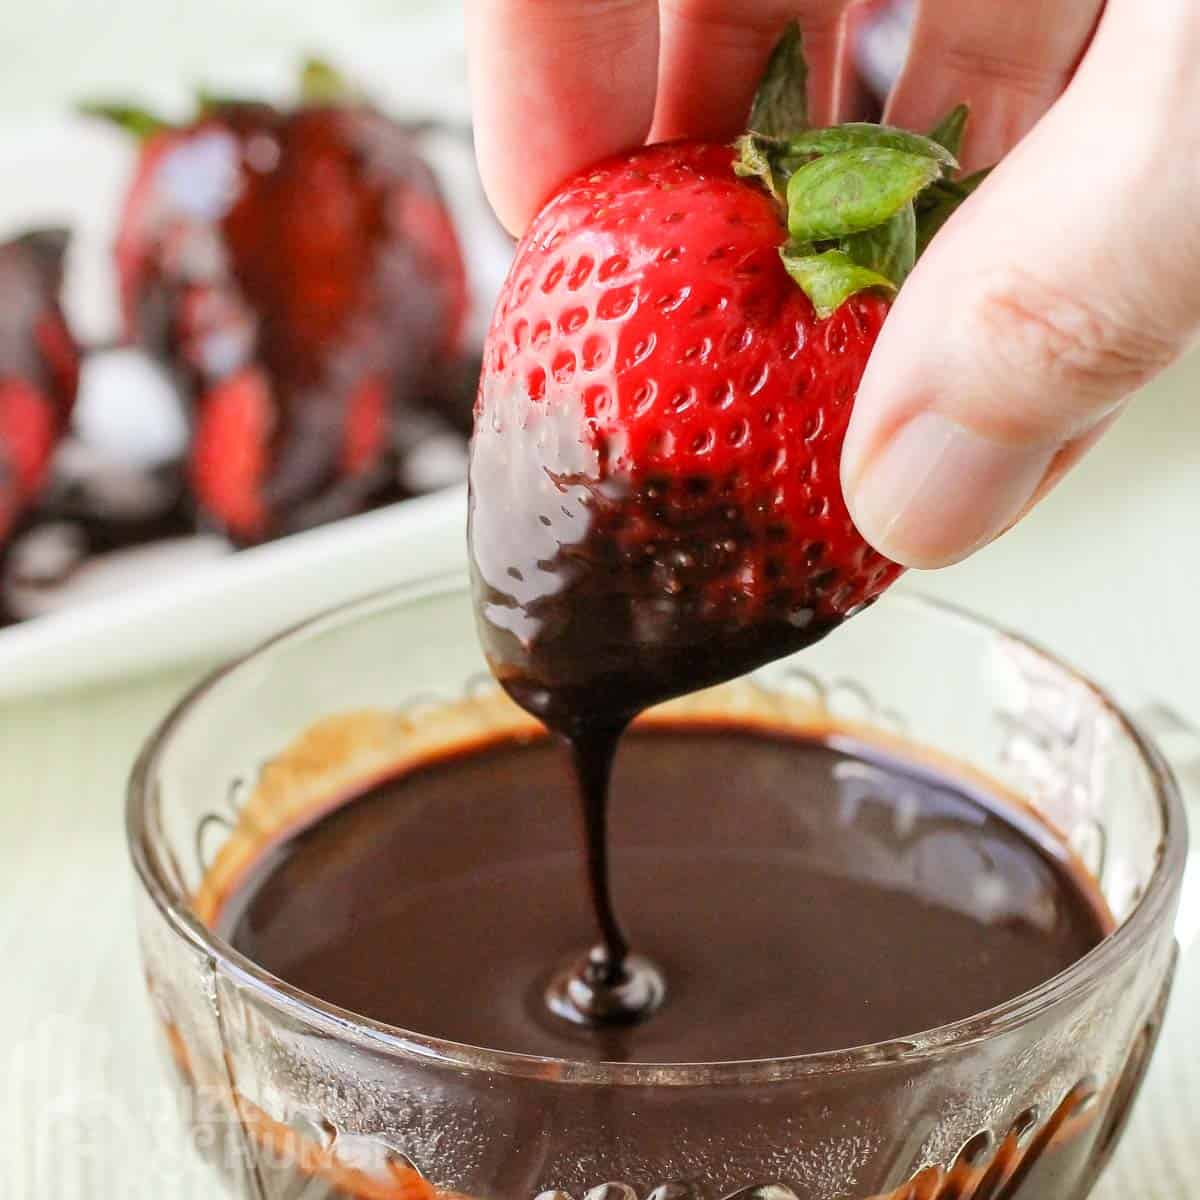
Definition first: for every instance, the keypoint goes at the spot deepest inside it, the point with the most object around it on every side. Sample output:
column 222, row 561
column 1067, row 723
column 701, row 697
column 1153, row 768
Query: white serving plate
column 221, row 607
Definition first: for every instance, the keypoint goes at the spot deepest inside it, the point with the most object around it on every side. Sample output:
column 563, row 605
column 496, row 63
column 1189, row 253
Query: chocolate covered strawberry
column 301, row 270
column 655, row 496
column 39, row 368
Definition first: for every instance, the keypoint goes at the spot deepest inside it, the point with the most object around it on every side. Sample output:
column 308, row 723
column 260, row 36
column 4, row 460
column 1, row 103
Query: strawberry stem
column 780, row 106
column 210, row 103
column 862, row 201
column 321, row 83
column 139, row 122
column 950, row 131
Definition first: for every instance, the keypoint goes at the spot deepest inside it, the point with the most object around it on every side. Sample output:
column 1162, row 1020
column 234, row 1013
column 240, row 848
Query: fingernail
column 937, row 491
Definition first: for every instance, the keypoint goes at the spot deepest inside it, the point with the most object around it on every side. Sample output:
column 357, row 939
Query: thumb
column 1062, row 286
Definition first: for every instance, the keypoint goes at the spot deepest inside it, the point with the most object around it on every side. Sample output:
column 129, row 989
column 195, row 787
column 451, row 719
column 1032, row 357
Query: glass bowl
column 292, row 1097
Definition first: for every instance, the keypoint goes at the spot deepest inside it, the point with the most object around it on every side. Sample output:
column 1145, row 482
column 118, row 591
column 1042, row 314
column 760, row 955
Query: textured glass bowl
column 292, row 1097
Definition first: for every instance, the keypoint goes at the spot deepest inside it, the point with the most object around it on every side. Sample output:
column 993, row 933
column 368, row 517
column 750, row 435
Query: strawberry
column 229, row 456
column 39, row 368
column 309, row 251
column 655, row 497
column 237, row 469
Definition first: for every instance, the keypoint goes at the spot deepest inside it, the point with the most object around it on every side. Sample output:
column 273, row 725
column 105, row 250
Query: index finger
column 714, row 53
column 556, row 84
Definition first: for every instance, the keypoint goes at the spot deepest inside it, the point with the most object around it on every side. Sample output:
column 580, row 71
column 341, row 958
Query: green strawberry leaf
column 949, row 132
column 321, row 83
column 889, row 249
column 781, row 104
column 940, row 202
column 854, row 190
column 861, row 134
column 209, row 102
column 862, row 201
column 758, row 158
column 139, row 122
column 829, row 279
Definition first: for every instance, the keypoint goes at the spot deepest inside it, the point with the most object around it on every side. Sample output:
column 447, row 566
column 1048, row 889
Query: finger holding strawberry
column 655, row 496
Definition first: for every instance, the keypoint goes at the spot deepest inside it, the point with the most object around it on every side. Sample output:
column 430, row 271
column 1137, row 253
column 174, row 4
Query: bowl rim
column 1082, row 975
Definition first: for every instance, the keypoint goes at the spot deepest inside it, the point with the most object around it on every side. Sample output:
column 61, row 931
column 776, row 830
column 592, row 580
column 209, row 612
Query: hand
column 1068, row 280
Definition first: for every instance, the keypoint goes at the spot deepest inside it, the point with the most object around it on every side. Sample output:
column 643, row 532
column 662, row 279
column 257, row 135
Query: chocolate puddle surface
column 798, row 894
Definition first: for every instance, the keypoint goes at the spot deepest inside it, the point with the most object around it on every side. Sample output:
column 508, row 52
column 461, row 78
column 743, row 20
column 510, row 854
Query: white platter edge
column 227, row 606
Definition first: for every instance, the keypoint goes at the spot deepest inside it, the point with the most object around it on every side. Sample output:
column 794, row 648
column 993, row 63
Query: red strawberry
column 655, row 497
column 39, row 368
column 311, row 246
column 237, row 469
column 366, row 426
column 230, row 452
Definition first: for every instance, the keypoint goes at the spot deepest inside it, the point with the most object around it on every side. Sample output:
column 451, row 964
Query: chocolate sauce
column 799, row 895
column 586, row 621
